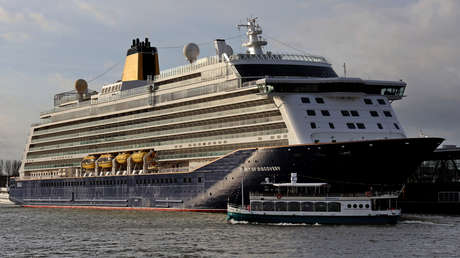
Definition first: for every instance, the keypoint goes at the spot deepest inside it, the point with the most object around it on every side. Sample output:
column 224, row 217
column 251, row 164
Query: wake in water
column 235, row 222
column 423, row 222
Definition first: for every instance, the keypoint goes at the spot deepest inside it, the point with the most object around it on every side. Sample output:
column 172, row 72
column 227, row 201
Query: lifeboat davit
column 122, row 158
column 89, row 162
column 105, row 161
column 138, row 157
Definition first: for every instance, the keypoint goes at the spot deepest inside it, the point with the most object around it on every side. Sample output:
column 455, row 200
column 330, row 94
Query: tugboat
column 311, row 203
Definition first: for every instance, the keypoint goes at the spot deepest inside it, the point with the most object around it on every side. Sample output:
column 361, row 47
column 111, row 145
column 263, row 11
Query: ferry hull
column 338, row 220
column 353, row 166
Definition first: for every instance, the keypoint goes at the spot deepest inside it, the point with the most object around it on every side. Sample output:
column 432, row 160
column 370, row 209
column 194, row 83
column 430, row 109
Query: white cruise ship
column 185, row 138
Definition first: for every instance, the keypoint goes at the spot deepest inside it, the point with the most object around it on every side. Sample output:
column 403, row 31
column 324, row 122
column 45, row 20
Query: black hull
column 350, row 166
column 431, row 198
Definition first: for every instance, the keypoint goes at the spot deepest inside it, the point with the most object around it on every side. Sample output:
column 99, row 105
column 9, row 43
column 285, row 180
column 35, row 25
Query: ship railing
column 332, row 195
column 187, row 68
column 275, row 57
column 174, row 170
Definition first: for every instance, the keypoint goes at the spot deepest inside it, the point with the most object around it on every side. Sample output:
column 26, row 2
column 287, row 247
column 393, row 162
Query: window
column 313, row 125
column 381, row 101
column 311, row 112
column 319, row 100
column 331, row 125
column 379, row 125
column 387, row 113
column 360, row 125
column 354, row 113
column 305, row 100
column 325, row 113
column 374, row 113
column 396, row 126
column 368, row 101
column 351, row 126
column 345, row 113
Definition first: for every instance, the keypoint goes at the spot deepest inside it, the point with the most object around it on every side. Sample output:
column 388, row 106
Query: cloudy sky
column 46, row 45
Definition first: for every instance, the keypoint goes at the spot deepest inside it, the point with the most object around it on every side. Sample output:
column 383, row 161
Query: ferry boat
column 183, row 138
column 311, row 203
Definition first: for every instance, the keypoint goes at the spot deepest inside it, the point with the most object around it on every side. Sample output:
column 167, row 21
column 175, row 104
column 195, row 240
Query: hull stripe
column 127, row 208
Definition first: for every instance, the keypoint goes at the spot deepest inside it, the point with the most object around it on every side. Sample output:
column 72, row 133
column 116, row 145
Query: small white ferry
column 311, row 203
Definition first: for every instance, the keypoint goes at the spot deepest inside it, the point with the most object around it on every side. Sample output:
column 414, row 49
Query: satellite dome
column 81, row 86
column 191, row 52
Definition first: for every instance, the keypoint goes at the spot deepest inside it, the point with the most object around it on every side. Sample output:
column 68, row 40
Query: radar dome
column 191, row 52
column 81, row 86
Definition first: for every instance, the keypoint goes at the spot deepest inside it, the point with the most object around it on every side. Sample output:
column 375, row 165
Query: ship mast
column 255, row 42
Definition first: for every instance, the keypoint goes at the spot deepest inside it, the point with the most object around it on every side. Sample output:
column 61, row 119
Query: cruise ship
column 188, row 138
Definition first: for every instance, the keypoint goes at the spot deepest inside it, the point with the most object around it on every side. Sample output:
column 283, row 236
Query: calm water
column 87, row 233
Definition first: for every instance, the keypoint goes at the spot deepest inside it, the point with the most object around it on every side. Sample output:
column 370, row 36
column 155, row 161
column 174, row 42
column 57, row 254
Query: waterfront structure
column 183, row 138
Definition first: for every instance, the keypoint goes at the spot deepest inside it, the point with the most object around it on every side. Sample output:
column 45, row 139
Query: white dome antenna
column 191, row 52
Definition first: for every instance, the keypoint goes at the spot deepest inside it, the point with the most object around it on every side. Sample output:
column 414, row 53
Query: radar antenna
column 255, row 42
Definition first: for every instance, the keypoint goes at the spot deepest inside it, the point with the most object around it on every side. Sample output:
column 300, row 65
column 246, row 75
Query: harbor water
column 42, row 232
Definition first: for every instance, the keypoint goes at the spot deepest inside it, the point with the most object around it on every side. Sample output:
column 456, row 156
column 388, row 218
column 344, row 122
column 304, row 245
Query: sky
column 45, row 45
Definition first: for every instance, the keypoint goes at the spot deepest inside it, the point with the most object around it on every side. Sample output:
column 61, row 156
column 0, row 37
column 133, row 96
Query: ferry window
column 331, row 125
column 293, row 206
column 345, row 113
column 387, row 113
column 396, row 126
column 189, row 179
column 306, row 206
column 379, row 125
column 368, row 101
column 280, row 206
column 381, row 101
column 185, row 180
column 349, row 206
column 305, row 100
column 355, row 206
column 175, row 180
column 268, row 206
column 360, row 125
column 351, row 126
column 367, row 206
column 199, row 180
column 319, row 100
column 161, row 180
column 354, row 113
column 360, row 206
column 311, row 112
column 325, row 113
column 256, row 206
column 374, row 113
column 320, row 206
column 333, row 206
column 313, row 125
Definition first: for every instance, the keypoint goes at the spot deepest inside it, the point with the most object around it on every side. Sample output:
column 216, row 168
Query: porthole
column 349, row 206
column 367, row 206
column 355, row 206
column 360, row 206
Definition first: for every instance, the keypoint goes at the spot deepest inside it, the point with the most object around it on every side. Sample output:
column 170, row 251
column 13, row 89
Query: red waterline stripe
column 127, row 208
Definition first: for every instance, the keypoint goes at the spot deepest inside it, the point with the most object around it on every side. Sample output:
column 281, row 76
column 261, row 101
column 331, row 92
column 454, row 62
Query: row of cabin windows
column 355, row 113
column 307, row 100
column 369, row 101
column 319, row 100
column 116, row 182
column 295, row 206
column 353, row 125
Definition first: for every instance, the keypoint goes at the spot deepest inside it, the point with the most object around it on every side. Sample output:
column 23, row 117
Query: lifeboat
column 122, row 158
column 105, row 161
column 138, row 157
column 88, row 162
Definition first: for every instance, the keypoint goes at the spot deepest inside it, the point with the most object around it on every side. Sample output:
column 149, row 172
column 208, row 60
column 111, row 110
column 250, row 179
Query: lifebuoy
column 278, row 196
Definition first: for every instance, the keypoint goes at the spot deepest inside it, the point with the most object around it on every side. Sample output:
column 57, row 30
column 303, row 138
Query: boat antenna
column 255, row 42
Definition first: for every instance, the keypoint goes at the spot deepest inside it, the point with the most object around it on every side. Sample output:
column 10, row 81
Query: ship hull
column 347, row 166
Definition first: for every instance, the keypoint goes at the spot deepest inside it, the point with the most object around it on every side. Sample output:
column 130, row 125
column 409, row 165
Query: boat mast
column 255, row 42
